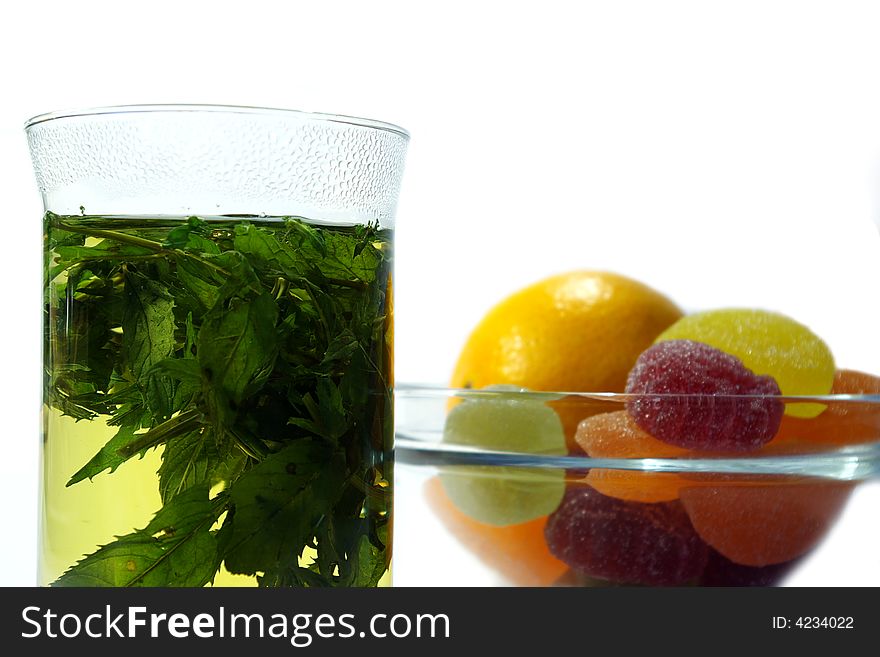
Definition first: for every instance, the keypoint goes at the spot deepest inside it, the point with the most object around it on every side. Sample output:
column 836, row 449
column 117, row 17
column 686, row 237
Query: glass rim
column 856, row 461
column 431, row 390
column 408, row 444
column 173, row 108
column 418, row 441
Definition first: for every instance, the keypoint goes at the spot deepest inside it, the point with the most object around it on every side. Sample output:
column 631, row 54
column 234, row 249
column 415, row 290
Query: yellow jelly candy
column 767, row 343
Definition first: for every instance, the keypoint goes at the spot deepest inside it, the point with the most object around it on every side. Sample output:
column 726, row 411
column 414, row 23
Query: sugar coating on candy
column 767, row 343
column 616, row 435
column 695, row 396
column 625, row 542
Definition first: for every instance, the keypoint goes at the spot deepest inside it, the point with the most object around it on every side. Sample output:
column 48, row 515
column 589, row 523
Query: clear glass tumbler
column 217, row 346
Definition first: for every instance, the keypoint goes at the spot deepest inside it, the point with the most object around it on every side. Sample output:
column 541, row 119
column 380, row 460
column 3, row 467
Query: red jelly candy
column 625, row 542
column 721, row 571
column 687, row 396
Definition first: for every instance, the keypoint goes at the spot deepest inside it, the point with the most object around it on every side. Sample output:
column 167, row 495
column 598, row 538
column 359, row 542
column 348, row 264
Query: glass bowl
column 634, row 510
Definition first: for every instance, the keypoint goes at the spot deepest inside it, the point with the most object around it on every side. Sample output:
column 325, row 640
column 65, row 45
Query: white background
column 727, row 153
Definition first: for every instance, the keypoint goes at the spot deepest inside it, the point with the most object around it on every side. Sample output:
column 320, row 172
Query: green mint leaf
column 255, row 354
column 239, row 278
column 188, row 460
column 307, row 252
column 148, row 338
column 189, row 347
column 71, row 252
column 307, row 236
column 267, row 252
column 176, row 548
column 147, row 325
column 161, row 396
column 213, row 278
column 55, row 237
column 370, row 564
column 352, row 542
column 306, row 424
column 105, row 250
column 68, row 389
column 109, row 457
column 83, row 351
column 328, row 417
column 184, row 370
column 126, row 443
column 277, row 505
column 236, row 348
column 193, row 235
column 125, row 405
column 200, row 280
column 351, row 260
column 340, row 350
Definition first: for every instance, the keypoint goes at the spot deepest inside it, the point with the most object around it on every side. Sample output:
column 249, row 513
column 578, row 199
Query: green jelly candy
column 504, row 495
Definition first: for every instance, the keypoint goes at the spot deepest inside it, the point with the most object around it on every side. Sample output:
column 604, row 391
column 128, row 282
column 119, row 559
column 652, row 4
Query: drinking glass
column 217, row 401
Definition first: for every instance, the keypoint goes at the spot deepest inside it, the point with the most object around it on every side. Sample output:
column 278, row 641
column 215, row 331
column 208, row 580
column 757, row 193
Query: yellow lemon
column 580, row 331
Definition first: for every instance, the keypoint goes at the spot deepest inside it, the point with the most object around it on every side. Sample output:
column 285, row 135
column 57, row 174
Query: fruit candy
column 616, row 435
column 851, row 382
column 768, row 344
column 625, row 542
column 708, row 414
column 841, row 423
column 635, row 486
column 763, row 522
column 721, row 571
column 504, row 495
column 572, row 409
column 517, row 552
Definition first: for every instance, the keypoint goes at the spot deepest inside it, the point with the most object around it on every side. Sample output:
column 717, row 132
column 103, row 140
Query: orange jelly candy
column 572, row 409
column 517, row 552
column 763, row 522
column 616, row 435
column 841, row 423
column 770, row 521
